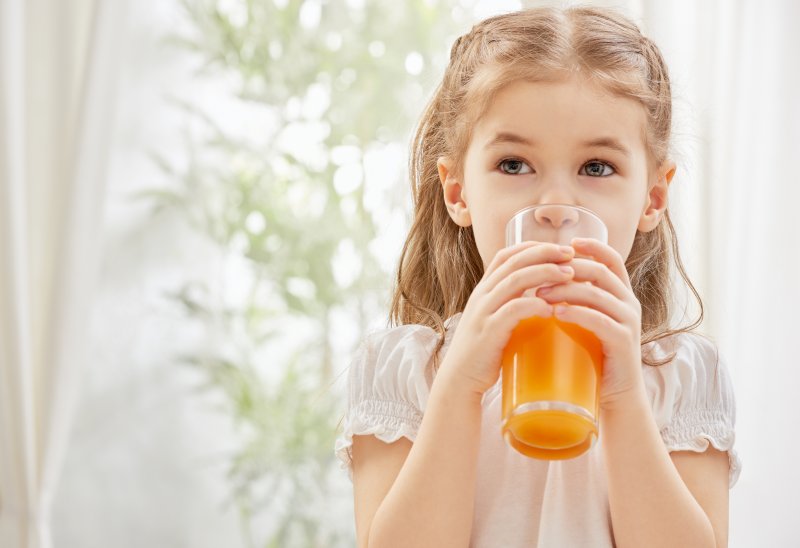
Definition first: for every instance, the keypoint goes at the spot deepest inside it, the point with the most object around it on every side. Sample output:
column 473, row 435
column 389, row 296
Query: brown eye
column 511, row 166
column 596, row 168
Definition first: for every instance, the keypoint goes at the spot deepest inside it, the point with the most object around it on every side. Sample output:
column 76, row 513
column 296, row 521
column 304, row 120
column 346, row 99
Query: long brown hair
column 440, row 264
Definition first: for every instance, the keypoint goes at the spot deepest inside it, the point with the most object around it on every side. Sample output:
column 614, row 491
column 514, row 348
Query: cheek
column 622, row 220
column 623, row 246
column 489, row 230
column 620, row 237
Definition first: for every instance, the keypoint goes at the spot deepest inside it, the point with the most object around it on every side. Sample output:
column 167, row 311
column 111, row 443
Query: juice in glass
column 551, row 373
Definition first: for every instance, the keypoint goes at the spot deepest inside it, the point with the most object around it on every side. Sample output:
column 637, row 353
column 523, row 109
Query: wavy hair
column 440, row 264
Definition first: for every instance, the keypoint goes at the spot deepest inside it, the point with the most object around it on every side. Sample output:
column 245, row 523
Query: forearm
column 650, row 504
column 431, row 501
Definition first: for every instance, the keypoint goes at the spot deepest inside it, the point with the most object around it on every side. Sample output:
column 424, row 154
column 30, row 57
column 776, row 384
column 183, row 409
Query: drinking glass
column 551, row 369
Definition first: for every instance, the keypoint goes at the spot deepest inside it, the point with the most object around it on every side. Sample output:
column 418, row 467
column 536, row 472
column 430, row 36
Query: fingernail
column 560, row 309
column 544, row 291
column 566, row 269
column 566, row 249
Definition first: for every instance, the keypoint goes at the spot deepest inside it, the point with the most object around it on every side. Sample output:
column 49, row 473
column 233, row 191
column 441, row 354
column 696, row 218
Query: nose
column 556, row 216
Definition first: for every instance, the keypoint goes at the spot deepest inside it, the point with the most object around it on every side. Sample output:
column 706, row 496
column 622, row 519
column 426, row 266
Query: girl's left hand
column 606, row 306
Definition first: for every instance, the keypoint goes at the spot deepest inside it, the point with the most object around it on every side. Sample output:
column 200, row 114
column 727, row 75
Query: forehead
column 562, row 112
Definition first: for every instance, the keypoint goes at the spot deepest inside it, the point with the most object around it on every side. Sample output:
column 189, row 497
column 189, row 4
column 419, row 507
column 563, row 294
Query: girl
column 540, row 106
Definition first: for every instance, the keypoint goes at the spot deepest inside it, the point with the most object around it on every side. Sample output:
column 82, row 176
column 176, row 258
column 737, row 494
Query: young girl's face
column 565, row 142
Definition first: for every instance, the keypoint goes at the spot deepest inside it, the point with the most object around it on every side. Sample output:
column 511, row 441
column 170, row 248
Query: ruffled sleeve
column 692, row 397
column 389, row 381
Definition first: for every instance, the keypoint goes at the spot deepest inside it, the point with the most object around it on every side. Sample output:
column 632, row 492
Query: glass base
column 550, row 430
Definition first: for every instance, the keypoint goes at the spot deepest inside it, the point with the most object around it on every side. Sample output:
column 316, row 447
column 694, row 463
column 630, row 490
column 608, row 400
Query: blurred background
column 202, row 204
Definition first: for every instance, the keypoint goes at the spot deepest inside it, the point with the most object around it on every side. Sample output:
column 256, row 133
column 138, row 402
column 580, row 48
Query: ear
column 454, row 195
column 657, row 198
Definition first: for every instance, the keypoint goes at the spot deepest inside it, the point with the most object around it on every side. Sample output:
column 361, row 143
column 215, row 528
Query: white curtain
column 57, row 66
column 736, row 66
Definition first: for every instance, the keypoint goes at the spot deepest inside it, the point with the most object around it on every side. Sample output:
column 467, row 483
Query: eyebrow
column 600, row 142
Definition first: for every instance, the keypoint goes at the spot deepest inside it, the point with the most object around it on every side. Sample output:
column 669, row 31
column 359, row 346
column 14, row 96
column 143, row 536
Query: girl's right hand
column 495, row 307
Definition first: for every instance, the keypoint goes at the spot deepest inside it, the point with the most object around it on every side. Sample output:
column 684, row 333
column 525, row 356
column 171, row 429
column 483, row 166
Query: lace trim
column 696, row 430
column 386, row 420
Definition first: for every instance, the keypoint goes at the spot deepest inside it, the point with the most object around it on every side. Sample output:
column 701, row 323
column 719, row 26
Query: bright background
column 202, row 203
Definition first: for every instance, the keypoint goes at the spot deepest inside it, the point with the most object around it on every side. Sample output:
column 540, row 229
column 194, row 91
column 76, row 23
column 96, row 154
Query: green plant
column 334, row 81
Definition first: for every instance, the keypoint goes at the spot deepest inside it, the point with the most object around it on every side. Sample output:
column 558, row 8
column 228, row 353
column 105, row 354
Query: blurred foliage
column 331, row 80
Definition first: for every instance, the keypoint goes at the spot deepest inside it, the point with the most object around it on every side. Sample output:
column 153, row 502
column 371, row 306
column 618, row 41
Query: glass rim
column 525, row 210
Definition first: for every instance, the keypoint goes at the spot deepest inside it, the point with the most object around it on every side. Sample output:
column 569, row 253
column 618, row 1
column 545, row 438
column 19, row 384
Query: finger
column 588, row 295
column 538, row 253
column 529, row 277
column 605, row 254
column 505, row 253
column 604, row 327
column 599, row 274
column 506, row 318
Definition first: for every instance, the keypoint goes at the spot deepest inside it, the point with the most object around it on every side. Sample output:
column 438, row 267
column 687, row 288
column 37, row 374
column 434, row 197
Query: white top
column 522, row 501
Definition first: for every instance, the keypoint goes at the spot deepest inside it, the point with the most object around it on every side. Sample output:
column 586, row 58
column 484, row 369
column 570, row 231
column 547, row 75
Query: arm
column 651, row 502
column 426, row 498
column 657, row 499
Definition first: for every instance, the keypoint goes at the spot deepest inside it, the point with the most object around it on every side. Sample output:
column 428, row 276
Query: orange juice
column 551, row 388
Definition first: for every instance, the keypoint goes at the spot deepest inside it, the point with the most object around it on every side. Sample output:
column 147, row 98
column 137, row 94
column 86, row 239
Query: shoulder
column 391, row 372
column 402, row 340
column 697, row 375
column 404, row 349
column 393, row 353
column 389, row 381
column 692, row 396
